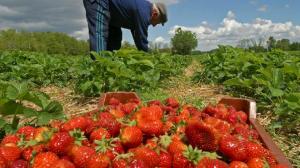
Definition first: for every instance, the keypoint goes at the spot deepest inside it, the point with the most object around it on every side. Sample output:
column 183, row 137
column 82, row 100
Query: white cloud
column 82, row 34
column 159, row 40
column 25, row 25
column 231, row 31
column 167, row 2
column 263, row 8
column 5, row 11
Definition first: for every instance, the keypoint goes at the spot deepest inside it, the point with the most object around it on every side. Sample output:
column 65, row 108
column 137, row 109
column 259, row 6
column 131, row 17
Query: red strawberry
column 172, row 102
column 75, row 123
column 257, row 163
column 154, row 102
column 28, row 131
column 128, row 108
column 151, row 128
column 211, row 163
column 108, row 121
column 20, row 164
column 202, row 136
column 10, row 153
column 62, row 163
column 148, row 156
column 175, row 145
column 117, row 113
column 119, row 163
column 179, row 161
column 45, row 160
column 2, row 162
column 222, row 126
column 238, row 164
column 61, row 143
column 131, row 136
column 27, row 153
column 279, row 166
column 42, row 134
column 98, row 161
column 98, row 134
column 255, row 150
column 151, row 113
column 138, row 164
column 81, row 154
column 231, row 147
column 10, row 140
column 165, row 160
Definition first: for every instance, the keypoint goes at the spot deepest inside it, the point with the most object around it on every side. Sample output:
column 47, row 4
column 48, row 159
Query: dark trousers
column 102, row 36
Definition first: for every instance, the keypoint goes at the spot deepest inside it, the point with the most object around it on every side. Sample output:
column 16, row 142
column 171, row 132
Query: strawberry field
column 186, row 130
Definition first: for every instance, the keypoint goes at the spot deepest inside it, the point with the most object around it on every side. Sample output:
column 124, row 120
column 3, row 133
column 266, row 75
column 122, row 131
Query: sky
column 215, row 22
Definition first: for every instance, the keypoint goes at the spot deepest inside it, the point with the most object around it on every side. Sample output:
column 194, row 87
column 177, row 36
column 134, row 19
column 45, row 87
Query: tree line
column 45, row 42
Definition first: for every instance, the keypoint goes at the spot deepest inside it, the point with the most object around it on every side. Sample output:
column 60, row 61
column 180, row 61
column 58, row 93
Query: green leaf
column 11, row 108
column 54, row 107
column 276, row 92
column 44, row 118
column 17, row 91
column 2, row 123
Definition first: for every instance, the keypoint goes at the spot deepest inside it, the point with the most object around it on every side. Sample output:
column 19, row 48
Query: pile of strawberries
column 135, row 135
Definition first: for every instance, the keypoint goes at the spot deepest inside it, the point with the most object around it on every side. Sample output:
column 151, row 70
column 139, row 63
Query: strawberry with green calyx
column 111, row 147
column 45, row 160
column 172, row 144
column 78, row 136
column 28, row 131
column 122, row 160
column 97, row 134
column 42, row 134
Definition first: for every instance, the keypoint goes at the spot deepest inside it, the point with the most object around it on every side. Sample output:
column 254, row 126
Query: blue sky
column 214, row 21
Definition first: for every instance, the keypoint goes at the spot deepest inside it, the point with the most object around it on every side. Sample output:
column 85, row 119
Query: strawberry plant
column 16, row 102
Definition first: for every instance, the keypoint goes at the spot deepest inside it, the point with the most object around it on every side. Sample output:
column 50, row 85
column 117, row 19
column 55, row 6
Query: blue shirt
column 134, row 15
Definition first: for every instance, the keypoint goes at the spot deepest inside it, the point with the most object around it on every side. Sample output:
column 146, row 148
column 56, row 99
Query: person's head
column 158, row 14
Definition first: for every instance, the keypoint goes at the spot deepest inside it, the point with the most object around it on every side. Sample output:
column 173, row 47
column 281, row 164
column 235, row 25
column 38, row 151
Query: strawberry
column 117, row 113
column 28, row 152
column 172, row 102
column 151, row 113
column 28, row 131
column 238, row 164
column 61, row 143
column 98, row 161
column 148, row 156
column 179, row 161
column 222, row 126
column 173, row 145
column 231, row 147
column 131, row 136
column 75, row 123
column 20, row 164
column 165, row 160
column 128, row 108
column 119, row 163
column 45, row 160
column 10, row 140
column 10, row 153
column 154, row 102
column 63, row 163
column 81, row 154
column 255, row 150
column 257, row 163
column 202, row 136
column 138, row 164
column 98, row 134
column 211, row 163
column 42, row 134
column 108, row 121
column 151, row 128
column 3, row 162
